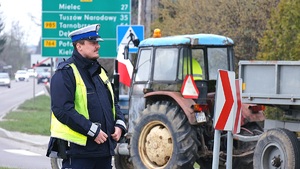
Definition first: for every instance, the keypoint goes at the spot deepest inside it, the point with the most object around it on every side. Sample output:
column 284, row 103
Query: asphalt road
column 19, row 92
column 17, row 150
column 22, row 155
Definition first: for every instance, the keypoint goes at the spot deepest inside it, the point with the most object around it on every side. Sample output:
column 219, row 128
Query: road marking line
column 22, row 152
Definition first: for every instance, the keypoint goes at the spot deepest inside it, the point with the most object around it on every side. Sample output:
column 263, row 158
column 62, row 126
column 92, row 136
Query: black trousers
column 87, row 163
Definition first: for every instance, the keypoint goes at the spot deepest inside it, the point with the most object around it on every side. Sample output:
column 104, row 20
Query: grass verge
column 32, row 117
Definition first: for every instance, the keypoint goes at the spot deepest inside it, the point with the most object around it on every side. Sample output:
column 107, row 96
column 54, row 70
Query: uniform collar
column 82, row 61
column 92, row 65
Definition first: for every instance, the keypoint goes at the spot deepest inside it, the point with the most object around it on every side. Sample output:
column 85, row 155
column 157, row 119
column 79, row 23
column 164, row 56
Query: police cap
column 86, row 33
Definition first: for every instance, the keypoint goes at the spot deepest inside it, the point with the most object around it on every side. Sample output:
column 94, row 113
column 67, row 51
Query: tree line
column 261, row 29
column 13, row 50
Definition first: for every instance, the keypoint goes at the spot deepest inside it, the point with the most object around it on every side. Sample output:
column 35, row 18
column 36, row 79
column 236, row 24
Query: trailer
column 275, row 84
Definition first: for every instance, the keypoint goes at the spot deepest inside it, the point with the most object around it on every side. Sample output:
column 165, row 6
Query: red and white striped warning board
column 237, row 122
column 228, row 102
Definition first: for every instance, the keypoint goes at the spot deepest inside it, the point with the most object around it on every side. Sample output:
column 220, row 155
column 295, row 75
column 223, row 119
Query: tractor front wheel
column 163, row 138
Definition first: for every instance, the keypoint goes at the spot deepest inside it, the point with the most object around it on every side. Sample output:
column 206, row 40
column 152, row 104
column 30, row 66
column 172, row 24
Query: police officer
column 85, row 112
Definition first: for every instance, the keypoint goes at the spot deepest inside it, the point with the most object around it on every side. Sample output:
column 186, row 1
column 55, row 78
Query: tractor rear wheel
column 163, row 138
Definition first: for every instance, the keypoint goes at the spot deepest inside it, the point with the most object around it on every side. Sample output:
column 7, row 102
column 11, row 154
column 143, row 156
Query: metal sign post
column 229, row 150
column 216, row 150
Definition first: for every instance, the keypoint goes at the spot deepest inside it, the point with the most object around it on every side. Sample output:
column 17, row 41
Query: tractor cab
column 183, row 66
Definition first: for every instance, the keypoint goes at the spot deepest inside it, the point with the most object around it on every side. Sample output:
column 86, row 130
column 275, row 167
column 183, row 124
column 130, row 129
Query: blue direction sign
column 123, row 32
column 59, row 18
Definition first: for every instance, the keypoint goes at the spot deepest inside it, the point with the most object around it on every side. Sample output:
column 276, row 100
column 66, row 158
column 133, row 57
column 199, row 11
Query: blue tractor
column 171, row 105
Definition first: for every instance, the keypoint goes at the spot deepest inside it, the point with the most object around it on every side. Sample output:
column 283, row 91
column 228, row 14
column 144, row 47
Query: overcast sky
column 21, row 10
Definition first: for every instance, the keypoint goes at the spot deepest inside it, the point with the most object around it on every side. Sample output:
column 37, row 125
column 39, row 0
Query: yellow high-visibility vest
column 62, row 131
column 197, row 70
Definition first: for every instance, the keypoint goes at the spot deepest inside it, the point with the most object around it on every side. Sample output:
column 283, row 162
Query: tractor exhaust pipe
column 122, row 149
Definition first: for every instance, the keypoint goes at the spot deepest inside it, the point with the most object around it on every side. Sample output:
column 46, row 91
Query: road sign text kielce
column 59, row 18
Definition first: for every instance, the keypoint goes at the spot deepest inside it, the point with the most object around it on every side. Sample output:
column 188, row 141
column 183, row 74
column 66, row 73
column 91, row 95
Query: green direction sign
column 59, row 18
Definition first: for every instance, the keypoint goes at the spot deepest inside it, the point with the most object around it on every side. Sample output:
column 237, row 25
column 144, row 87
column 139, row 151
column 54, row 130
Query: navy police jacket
column 99, row 101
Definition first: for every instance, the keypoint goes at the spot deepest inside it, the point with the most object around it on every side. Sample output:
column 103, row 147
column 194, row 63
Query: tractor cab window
column 192, row 65
column 198, row 67
column 217, row 59
column 165, row 64
column 143, row 65
column 203, row 63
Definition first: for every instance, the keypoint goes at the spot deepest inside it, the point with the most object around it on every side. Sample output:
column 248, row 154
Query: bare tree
column 2, row 41
column 15, row 52
column 2, row 36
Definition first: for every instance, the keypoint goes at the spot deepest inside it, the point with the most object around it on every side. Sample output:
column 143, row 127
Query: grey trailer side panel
column 270, row 82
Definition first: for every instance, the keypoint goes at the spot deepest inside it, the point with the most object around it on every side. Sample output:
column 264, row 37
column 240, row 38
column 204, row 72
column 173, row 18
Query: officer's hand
column 117, row 134
column 101, row 138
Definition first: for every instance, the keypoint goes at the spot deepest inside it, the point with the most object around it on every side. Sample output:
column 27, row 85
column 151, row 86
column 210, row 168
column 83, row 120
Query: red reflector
column 199, row 107
column 257, row 108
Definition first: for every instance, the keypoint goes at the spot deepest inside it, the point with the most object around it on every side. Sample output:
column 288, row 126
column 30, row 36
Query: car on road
column 43, row 77
column 21, row 75
column 31, row 73
column 5, row 79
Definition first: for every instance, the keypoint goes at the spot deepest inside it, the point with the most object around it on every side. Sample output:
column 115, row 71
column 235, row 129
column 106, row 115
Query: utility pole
column 139, row 11
column 146, row 14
